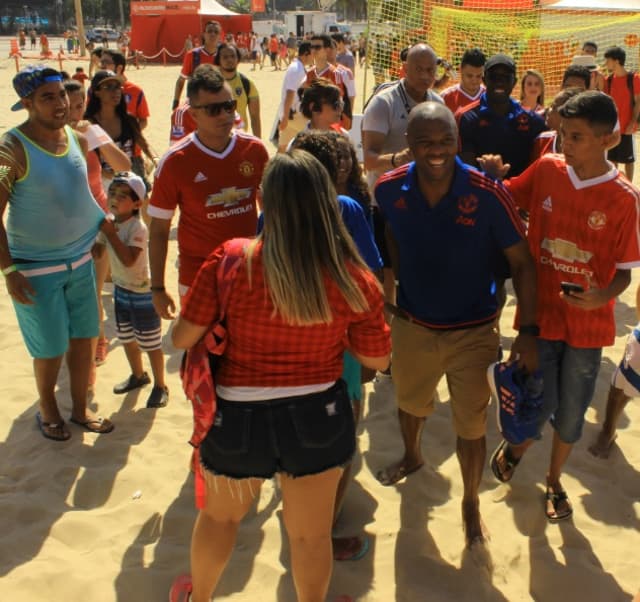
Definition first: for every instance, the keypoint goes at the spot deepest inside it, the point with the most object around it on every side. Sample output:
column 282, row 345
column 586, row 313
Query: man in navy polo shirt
column 445, row 221
column 497, row 124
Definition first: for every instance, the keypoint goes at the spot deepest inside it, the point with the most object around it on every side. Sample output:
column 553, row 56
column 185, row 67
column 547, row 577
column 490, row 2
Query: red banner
column 258, row 6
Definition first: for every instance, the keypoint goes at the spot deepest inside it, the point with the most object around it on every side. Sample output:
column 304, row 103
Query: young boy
column 583, row 234
column 138, row 324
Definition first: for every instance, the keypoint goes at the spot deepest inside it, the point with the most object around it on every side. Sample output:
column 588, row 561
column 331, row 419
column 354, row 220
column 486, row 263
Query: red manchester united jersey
column 216, row 194
column 580, row 231
column 456, row 98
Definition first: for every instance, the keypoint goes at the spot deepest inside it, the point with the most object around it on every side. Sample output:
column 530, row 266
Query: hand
column 164, row 305
column 108, row 227
column 284, row 122
column 629, row 130
column 403, row 157
column 19, row 288
column 493, row 166
column 525, row 351
column 591, row 299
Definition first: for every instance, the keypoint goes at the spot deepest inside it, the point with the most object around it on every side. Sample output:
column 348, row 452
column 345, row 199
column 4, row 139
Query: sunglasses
column 110, row 87
column 216, row 31
column 317, row 46
column 215, row 108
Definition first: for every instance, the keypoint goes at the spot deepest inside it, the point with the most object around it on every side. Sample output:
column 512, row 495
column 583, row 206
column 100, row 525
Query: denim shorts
column 569, row 375
column 297, row 436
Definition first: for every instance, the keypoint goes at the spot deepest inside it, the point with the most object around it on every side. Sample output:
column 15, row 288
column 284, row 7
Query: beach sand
column 108, row 518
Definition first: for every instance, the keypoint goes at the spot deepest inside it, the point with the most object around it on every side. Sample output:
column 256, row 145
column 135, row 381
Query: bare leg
column 560, row 452
column 156, row 359
column 616, row 402
column 46, row 373
column 101, row 268
column 310, row 540
column 471, row 455
column 411, row 428
column 216, row 528
column 134, row 358
column 79, row 360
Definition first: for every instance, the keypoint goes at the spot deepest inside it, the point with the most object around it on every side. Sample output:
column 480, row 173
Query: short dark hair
column 73, row 85
column 338, row 38
column 324, row 38
column 205, row 77
column 117, row 56
column 320, row 91
column 617, row 54
column 212, row 22
column 474, row 57
column 404, row 53
column 321, row 147
column 225, row 46
column 596, row 108
column 577, row 71
column 304, row 48
column 592, row 44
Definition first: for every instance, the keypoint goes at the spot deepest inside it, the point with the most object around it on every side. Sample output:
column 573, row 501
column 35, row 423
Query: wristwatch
column 531, row 329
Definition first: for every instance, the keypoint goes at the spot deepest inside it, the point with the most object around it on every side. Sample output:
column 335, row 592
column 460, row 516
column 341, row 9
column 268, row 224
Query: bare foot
column 398, row 471
column 603, row 445
column 474, row 528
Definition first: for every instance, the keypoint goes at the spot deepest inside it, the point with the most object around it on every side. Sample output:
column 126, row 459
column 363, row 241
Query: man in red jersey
column 470, row 87
column 212, row 175
column 583, row 235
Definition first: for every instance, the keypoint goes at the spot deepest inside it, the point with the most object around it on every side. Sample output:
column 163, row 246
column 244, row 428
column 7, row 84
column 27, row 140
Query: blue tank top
column 52, row 214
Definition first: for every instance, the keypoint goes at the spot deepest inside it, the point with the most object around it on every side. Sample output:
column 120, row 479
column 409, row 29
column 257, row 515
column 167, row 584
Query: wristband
column 158, row 289
column 530, row 329
column 393, row 160
column 9, row 269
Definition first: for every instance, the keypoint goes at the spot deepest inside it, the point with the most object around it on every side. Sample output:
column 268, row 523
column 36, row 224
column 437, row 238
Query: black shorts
column 623, row 153
column 297, row 436
column 379, row 226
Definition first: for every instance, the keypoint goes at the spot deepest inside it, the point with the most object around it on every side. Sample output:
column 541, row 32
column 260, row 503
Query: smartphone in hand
column 569, row 288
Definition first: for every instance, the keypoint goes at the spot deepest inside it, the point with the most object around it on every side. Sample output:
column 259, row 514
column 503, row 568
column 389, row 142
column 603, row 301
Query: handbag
column 199, row 362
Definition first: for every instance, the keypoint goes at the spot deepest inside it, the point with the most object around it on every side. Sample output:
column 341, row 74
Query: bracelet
column 158, row 289
column 9, row 269
column 393, row 160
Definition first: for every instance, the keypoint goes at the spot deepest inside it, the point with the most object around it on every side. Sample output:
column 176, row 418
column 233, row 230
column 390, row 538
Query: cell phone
column 571, row 287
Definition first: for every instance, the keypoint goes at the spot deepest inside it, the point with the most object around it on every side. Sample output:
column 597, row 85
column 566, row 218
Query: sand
column 109, row 518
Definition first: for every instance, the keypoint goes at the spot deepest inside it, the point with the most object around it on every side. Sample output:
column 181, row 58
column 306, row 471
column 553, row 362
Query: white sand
column 72, row 526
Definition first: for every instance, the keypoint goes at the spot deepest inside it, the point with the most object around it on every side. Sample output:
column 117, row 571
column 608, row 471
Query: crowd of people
column 336, row 273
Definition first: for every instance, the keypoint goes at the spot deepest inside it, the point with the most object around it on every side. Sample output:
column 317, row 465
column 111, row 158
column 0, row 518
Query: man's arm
column 372, row 143
column 158, row 244
column 178, row 91
column 634, row 114
column 254, row 115
column 288, row 103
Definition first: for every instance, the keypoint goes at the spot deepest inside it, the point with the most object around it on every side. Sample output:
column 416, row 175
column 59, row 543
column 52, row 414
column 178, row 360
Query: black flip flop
column 45, row 426
column 510, row 462
column 555, row 499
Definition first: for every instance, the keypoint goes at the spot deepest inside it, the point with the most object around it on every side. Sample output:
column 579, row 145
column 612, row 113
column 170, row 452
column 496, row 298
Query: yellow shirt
column 238, row 92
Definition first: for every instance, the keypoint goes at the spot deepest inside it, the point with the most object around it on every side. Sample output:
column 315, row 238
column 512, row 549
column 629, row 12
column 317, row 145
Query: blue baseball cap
column 29, row 79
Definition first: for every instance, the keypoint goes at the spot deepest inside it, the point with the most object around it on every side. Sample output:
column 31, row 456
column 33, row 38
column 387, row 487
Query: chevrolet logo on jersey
column 228, row 197
column 566, row 250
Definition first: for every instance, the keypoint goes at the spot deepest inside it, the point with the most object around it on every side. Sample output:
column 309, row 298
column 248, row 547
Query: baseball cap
column 29, row 79
column 585, row 60
column 501, row 59
column 104, row 75
column 133, row 181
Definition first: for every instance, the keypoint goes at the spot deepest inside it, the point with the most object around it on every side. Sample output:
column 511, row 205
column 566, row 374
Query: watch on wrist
column 530, row 329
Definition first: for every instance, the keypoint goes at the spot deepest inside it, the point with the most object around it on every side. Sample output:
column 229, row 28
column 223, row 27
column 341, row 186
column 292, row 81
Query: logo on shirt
column 246, row 169
column 200, row 177
column 566, row 250
column 483, row 123
column 228, row 197
column 597, row 220
column 547, row 205
column 400, row 203
column 522, row 122
column 238, row 91
column 468, row 203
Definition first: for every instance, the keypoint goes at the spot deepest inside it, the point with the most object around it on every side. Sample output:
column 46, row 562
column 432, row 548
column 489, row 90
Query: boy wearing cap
column 138, row 324
column 45, row 248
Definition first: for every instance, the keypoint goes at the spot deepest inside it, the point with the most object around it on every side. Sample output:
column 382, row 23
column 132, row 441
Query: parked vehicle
column 96, row 34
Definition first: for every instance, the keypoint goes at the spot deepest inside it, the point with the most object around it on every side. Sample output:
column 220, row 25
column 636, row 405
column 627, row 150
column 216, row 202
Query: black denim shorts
column 297, row 436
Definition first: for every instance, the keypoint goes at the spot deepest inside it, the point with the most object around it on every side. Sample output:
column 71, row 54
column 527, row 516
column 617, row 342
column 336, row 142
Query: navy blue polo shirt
column 511, row 136
column 445, row 252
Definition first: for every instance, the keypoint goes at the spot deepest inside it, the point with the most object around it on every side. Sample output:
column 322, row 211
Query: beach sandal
column 510, row 462
column 55, row 431
column 98, row 425
column 350, row 548
column 181, row 589
column 388, row 477
column 555, row 498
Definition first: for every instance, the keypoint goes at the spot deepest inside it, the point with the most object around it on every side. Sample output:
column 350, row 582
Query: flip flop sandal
column 358, row 548
column 555, row 498
column 181, row 589
column 49, row 429
column 97, row 425
column 510, row 462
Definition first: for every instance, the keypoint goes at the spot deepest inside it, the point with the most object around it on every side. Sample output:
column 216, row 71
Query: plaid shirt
column 263, row 350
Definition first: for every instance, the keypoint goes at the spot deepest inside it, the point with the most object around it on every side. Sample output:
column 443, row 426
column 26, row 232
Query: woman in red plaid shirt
column 302, row 297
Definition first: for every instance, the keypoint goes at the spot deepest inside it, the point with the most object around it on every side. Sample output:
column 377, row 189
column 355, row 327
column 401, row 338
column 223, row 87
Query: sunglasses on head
column 215, row 108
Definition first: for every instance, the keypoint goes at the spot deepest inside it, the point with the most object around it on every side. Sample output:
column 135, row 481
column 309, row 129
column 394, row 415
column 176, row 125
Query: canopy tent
column 167, row 23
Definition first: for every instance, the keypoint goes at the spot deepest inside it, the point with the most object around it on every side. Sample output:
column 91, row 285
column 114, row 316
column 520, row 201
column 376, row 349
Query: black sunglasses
column 215, row 108
column 317, row 46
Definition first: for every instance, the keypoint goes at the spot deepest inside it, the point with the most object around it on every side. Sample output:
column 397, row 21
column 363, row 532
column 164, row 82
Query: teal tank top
column 52, row 214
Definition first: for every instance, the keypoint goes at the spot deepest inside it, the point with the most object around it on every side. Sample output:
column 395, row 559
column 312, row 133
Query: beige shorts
column 421, row 356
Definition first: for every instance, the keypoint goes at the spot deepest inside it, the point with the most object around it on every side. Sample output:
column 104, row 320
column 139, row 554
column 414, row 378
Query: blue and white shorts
column 137, row 319
column 627, row 374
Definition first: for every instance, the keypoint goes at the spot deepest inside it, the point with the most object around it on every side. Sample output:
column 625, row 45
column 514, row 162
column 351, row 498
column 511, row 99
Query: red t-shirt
column 620, row 93
column 456, row 98
column 579, row 231
column 544, row 144
column 182, row 123
column 136, row 100
column 188, row 64
column 216, row 194
column 265, row 351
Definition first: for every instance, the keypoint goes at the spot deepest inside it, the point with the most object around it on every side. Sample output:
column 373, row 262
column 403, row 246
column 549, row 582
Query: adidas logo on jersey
column 200, row 177
column 547, row 205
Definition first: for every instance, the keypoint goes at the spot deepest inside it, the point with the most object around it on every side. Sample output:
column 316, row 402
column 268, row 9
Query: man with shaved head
column 384, row 128
column 444, row 222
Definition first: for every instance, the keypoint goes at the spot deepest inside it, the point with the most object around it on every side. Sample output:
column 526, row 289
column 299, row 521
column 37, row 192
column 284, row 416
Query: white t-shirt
column 294, row 77
column 135, row 278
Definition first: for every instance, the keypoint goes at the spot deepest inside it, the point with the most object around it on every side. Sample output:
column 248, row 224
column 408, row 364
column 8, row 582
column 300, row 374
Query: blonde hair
column 303, row 240
column 540, row 77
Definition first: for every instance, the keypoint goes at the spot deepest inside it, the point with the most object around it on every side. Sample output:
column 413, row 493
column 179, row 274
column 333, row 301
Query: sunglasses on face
column 215, row 108
column 110, row 87
column 317, row 46
column 212, row 31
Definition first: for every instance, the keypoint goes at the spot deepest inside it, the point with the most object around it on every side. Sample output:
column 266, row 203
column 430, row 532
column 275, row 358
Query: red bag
column 198, row 363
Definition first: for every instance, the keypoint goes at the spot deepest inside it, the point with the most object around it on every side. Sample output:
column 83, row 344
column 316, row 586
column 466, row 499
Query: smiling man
column 444, row 223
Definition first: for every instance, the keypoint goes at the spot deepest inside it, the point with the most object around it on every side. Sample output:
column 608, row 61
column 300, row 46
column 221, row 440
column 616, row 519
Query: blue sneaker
column 519, row 398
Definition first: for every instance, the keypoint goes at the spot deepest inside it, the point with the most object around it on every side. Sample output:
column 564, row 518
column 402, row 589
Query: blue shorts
column 569, row 376
column 65, row 307
column 137, row 319
column 352, row 375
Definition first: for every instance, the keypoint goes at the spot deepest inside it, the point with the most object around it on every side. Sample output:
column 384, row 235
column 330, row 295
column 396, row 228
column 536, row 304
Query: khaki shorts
column 295, row 125
column 421, row 356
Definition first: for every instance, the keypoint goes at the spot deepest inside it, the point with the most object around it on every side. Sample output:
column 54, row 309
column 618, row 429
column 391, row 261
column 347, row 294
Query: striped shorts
column 136, row 319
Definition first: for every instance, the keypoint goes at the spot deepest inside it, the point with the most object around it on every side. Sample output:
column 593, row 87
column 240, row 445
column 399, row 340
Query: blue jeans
column 569, row 377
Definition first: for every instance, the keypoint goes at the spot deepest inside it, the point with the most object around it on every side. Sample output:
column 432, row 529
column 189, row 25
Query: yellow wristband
column 9, row 270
